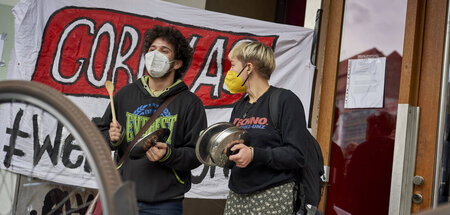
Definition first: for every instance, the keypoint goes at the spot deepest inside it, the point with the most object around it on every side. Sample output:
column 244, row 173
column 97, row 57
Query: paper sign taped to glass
column 365, row 83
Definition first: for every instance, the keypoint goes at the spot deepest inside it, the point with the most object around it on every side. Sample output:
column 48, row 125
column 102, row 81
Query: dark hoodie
column 276, row 156
column 185, row 116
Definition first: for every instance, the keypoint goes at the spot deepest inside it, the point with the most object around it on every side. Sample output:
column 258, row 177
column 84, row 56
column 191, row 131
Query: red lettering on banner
column 82, row 48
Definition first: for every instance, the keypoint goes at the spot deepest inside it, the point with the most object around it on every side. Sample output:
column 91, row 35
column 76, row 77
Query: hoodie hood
column 175, row 88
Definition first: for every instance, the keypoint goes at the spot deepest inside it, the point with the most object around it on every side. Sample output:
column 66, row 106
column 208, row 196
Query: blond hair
column 257, row 53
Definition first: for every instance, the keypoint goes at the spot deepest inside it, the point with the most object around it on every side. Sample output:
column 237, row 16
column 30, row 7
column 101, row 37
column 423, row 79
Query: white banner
column 74, row 46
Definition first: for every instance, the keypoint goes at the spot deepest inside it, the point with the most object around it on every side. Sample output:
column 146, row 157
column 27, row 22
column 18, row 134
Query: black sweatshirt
column 185, row 116
column 275, row 157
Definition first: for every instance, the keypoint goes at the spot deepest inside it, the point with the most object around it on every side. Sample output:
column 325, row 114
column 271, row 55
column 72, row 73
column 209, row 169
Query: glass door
column 363, row 134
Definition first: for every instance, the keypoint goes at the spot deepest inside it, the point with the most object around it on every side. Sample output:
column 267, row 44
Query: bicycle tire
column 85, row 132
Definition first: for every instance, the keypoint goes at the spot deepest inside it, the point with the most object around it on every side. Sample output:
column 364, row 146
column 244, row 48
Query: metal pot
column 211, row 144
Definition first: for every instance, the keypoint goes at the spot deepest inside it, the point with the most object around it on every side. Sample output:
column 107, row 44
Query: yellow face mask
column 234, row 83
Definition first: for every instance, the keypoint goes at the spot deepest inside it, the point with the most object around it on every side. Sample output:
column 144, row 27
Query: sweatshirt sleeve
column 292, row 125
column 103, row 126
column 181, row 154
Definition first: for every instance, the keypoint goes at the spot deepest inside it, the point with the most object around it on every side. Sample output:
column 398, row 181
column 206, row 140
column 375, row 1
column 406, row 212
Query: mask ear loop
column 241, row 70
column 240, row 74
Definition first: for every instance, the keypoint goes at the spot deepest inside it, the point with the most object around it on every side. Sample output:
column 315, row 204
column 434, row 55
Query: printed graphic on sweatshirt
column 252, row 122
column 136, row 120
column 149, row 109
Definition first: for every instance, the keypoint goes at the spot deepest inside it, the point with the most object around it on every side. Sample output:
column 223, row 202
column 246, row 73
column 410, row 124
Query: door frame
column 421, row 85
column 422, row 63
column 326, row 79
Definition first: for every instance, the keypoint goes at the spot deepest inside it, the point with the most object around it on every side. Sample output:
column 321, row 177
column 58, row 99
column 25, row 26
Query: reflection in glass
column 363, row 139
column 444, row 188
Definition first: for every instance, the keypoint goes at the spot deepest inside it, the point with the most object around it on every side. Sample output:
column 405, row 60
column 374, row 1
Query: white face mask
column 157, row 64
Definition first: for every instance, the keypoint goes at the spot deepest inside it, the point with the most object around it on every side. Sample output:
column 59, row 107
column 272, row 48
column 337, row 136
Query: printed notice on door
column 365, row 83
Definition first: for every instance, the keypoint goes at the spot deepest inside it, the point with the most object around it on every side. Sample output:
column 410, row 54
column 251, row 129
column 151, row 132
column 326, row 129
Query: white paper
column 365, row 83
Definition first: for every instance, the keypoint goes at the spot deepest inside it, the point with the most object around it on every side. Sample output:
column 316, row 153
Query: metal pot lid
column 212, row 142
column 138, row 150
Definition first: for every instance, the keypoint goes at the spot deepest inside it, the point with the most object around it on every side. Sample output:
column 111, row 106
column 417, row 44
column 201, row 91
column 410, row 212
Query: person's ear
column 250, row 68
column 177, row 64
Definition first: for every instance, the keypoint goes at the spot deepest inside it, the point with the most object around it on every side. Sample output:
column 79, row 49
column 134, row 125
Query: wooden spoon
column 110, row 88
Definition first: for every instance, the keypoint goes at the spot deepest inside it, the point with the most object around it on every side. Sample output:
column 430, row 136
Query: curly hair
column 172, row 35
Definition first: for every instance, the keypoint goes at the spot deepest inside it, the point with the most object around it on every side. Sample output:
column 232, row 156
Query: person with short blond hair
column 257, row 53
column 262, row 178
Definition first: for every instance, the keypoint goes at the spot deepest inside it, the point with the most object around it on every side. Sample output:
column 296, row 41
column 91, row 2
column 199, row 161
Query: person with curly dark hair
column 181, row 47
column 163, row 175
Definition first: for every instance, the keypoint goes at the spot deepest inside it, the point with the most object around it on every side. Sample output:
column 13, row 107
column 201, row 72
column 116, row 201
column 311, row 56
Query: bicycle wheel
column 78, row 124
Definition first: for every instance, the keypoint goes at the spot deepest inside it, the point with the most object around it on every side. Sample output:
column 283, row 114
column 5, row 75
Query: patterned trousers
column 277, row 200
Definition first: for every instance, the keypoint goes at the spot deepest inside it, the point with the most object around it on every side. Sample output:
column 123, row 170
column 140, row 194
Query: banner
column 74, row 46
